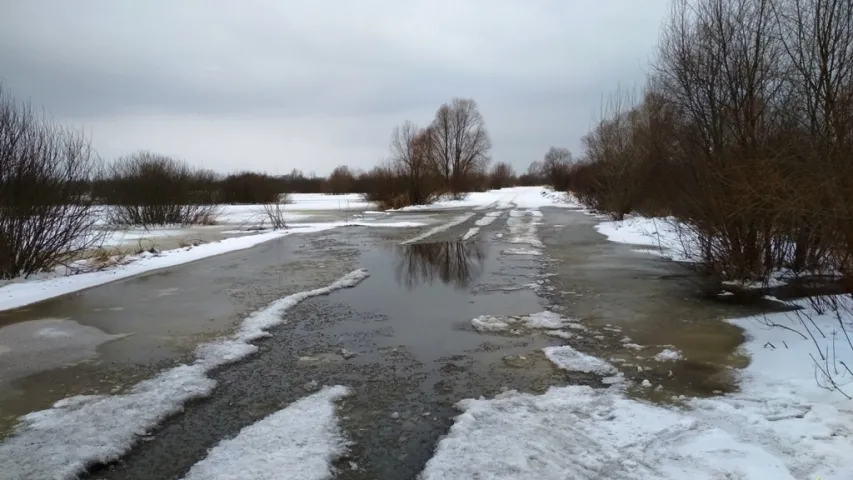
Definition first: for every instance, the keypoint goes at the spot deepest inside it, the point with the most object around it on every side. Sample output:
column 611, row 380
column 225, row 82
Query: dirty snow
column 77, row 432
column 487, row 219
column 301, row 440
column 440, row 228
column 568, row 358
column 551, row 322
column 470, row 233
column 521, row 251
column 522, row 225
column 780, row 424
column 668, row 355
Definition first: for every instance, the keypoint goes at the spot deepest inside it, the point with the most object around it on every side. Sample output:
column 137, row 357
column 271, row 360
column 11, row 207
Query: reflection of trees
column 455, row 263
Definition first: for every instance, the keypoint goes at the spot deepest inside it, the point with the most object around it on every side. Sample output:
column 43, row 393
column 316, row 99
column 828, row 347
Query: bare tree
column 461, row 142
column 555, row 167
column 151, row 189
column 341, row 180
column 501, row 176
column 47, row 216
column 412, row 155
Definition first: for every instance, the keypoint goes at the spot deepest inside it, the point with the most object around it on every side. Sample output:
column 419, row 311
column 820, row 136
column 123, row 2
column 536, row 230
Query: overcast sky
column 276, row 85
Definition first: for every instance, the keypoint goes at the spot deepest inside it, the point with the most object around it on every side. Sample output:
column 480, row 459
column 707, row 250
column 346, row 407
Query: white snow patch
column 543, row 320
column 301, row 440
column 63, row 441
column 660, row 233
column 570, row 359
column 441, row 228
column 668, row 355
column 488, row 219
column 522, row 227
column 578, row 432
column 521, row 197
column 470, row 233
column 780, row 424
column 521, row 251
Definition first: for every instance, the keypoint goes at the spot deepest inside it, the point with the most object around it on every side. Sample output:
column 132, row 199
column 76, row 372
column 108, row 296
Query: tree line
column 743, row 134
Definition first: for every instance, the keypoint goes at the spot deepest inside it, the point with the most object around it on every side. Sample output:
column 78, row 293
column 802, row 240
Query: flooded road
column 402, row 340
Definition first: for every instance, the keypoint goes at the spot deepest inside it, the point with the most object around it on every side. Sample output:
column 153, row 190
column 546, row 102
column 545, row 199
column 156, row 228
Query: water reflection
column 452, row 263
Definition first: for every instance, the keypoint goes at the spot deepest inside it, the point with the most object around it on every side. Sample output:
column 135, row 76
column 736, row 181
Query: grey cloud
column 290, row 73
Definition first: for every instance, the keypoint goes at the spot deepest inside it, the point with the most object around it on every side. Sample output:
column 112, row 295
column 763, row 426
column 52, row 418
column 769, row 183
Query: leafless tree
column 461, row 142
column 274, row 212
column 341, row 180
column 412, row 155
column 47, row 216
column 452, row 263
column 555, row 167
column 151, row 189
column 501, row 176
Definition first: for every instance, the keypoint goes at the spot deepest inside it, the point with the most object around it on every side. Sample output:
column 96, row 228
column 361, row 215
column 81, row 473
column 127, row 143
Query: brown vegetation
column 46, row 216
column 743, row 135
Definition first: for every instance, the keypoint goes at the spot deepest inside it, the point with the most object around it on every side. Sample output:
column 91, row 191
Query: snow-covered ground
column 301, row 440
column 505, row 198
column 780, row 425
column 62, row 441
column 656, row 235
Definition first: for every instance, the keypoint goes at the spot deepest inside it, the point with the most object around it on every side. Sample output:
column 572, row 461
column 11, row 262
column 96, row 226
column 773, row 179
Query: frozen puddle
column 302, row 441
column 40, row 345
column 78, row 432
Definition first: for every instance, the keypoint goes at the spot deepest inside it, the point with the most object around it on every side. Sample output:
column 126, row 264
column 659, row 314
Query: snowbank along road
column 510, row 335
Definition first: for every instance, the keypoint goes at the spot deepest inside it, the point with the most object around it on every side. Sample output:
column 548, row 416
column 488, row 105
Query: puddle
column 402, row 340
column 39, row 345
column 632, row 299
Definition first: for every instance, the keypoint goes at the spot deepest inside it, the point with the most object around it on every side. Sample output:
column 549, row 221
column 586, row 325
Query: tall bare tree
column 461, row 142
column 47, row 216
column 412, row 155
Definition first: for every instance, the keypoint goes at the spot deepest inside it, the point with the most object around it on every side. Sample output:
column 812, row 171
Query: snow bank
column 781, row 406
column 579, row 432
column 301, row 440
column 77, row 432
column 440, row 228
column 660, row 233
column 568, row 358
column 780, row 424
column 487, row 219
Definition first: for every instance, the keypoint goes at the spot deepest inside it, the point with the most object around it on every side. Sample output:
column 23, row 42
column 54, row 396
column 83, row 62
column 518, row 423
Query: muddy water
column 653, row 301
column 129, row 330
column 401, row 340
